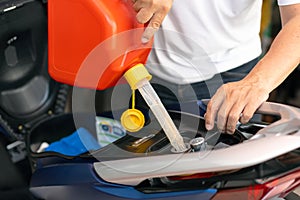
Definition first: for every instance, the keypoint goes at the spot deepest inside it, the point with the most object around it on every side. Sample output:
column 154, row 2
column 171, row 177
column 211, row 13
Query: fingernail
column 208, row 126
column 145, row 40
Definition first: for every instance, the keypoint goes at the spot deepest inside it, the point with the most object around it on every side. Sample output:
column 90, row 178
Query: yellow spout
column 136, row 74
column 132, row 119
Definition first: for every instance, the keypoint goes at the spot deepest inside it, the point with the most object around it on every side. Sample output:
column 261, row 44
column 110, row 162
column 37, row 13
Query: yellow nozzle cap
column 136, row 74
column 132, row 120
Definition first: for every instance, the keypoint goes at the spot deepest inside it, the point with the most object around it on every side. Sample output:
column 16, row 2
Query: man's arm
column 239, row 100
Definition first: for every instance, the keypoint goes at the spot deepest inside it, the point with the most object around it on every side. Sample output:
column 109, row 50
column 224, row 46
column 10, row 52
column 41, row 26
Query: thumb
column 148, row 34
column 152, row 27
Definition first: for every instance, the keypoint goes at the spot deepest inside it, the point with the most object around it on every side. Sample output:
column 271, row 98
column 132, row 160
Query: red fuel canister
column 92, row 43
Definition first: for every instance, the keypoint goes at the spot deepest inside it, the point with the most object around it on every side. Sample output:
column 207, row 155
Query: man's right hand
column 152, row 12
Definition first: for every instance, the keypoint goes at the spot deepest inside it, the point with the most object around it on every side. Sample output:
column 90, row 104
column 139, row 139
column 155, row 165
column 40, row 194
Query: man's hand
column 233, row 102
column 152, row 12
column 239, row 100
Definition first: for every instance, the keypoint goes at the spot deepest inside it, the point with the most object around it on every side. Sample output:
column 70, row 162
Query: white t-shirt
column 201, row 38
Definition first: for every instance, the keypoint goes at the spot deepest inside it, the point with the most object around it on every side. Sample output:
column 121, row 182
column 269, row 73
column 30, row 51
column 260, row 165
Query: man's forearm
column 281, row 59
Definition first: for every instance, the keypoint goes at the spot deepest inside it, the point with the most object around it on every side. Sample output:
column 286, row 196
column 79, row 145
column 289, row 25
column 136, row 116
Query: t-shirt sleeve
column 287, row 2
